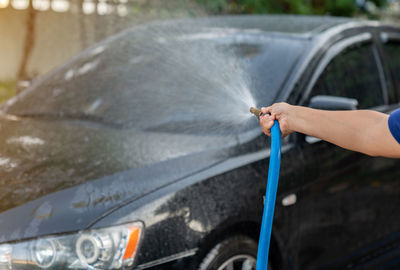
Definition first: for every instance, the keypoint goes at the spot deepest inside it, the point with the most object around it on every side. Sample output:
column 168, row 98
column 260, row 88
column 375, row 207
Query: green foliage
column 331, row 7
column 380, row 3
column 342, row 7
column 214, row 6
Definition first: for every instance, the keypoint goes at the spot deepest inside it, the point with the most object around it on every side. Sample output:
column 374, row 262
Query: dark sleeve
column 394, row 124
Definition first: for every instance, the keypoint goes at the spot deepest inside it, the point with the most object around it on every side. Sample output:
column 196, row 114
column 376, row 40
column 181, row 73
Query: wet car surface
column 138, row 130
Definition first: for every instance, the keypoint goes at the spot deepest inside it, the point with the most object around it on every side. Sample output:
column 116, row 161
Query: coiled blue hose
column 270, row 197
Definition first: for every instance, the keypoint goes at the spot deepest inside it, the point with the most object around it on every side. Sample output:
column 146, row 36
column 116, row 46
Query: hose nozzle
column 255, row 111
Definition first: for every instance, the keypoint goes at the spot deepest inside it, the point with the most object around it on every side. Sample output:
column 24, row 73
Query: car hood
column 59, row 176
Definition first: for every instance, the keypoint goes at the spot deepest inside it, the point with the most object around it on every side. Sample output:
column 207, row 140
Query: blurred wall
column 12, row 29
column 57, row 36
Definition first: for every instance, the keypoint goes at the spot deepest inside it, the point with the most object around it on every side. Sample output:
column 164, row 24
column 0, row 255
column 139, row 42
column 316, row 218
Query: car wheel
column 235, row 253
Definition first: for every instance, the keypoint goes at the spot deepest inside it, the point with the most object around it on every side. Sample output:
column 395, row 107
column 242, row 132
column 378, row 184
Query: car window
column 391, row 54
column 353, row 74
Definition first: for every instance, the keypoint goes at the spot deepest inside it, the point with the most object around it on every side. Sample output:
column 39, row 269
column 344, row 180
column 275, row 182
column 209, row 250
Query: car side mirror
column 333, row 103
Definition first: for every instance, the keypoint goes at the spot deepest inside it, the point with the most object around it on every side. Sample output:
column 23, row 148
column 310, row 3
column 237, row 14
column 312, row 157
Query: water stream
column 199, row 80
column 180, row 77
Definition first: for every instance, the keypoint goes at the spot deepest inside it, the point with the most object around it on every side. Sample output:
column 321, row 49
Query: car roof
column 291, row 24
column 298, row 26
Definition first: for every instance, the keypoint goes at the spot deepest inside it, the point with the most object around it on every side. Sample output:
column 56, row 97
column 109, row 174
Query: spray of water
column 198, row 82
column 180, row 77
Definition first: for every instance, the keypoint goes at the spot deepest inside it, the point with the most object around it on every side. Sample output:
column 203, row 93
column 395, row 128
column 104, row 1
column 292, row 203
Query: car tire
column 237, row 252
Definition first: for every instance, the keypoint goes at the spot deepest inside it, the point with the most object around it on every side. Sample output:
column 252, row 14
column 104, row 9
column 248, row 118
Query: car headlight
column 107, row 248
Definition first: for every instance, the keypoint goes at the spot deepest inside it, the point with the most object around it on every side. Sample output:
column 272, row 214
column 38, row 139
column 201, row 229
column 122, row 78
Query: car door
column 349, row 201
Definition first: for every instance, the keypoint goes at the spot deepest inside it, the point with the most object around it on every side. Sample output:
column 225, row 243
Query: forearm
column 354, row 130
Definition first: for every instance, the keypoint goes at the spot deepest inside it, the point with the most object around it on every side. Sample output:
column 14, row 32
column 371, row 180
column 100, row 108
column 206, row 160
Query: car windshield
column 163, row 78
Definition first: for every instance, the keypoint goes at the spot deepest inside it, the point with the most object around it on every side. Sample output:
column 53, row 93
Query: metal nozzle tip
column 255, row 111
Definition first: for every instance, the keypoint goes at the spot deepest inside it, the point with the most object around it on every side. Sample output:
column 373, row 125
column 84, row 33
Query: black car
column 141, row 153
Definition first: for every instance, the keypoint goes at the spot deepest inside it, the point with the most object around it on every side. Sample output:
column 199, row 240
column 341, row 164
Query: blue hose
column 270, row 197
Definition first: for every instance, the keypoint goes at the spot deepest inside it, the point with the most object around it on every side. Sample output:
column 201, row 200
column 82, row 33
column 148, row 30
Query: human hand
column 278, row 111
